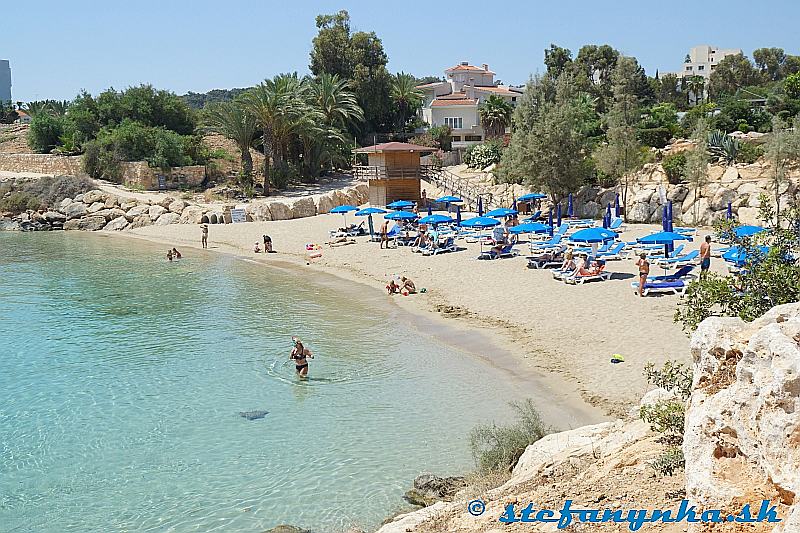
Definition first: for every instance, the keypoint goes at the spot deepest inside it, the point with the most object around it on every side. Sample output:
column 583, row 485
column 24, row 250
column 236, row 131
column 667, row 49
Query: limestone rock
column 92, row 223
column 54, row 216
column 655, row 216
column 93, row 196
column 140, row 221
column 118, row 224
column 743, row 420
column 429, row 488
column 192, row 214
column 78, row 198
column 644, row 196
column 608, row 197
column 259, row 211
column 280, row 211
column 589, row 210
column 325, row 203
column 177, row 206
column 64, row 203
column 640, row 212
column 748, row 215
column 95, row 207
column 722, row 197
column 677, row 193
column 112, row 201
column 164, row 202
column 128, row 204
column 156, row 211
column 304, row 207
column 135, row 211
column 75, row 210
column 72, row 224
column 109, row 214
column 730, row 175
column 168, row 218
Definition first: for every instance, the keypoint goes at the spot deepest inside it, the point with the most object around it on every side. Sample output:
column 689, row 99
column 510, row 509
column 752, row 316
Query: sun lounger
column 677, row 286
column 682, row 273
column 675, row 253
column 448, row 245
column 680, row 260
column 616, row 224
column 552, row 242
column 615, row 252
column 598, row 274
column 506, row 251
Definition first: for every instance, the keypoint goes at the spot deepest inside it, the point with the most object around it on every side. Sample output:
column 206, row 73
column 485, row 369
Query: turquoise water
column 122, row 377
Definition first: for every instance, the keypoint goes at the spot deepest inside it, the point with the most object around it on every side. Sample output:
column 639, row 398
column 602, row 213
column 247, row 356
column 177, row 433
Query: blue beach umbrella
column 667, row 238
column 739, row 255
column 435, row 219
column 593, row 235
column 480, row 206
column 370, row 211
column 480, row 223
column 669, row 216
column 530, row 227
column 343, row 210
column 531, row 196
column 605, row 221
column 501, row 212
column 558, row 215
column 569, row 206
column 400, row 204
column 400, row 215
column 430, row 209
column 449, row 200
column 747, row 231
column 458, row 215
column 616, row 205
column 608, row 214
column 550, row 220
column 729, row 214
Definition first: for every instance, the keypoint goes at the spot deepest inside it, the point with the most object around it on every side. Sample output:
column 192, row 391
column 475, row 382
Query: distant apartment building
column 702, row 60
column 5, row 81
column 455, row 102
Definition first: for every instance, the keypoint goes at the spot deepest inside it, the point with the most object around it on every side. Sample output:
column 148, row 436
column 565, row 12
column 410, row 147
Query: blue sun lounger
column 680, row 274
column 677, row 286
column 680, row 260
column 506, row 251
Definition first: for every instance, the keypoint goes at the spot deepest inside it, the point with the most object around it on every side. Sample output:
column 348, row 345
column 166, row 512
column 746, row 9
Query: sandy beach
column 566, row 333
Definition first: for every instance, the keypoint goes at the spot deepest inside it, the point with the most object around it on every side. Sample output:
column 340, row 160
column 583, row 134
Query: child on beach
column 176, row 254
column 256, row 248
column 169, row 255
column 267, row 244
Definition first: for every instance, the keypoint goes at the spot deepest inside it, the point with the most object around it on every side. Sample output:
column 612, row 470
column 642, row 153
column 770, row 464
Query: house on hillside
column 455, row 102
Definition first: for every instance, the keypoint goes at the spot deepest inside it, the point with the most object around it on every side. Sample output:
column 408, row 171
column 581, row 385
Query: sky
column 59, row 48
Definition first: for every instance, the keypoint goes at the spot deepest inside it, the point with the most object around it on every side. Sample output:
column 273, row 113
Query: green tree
column 791, row 85
column 235, row 122
column 557, row 59
column 622, row 153
column 331, row 50
column 781, row 149
column 668, row 91
column 732, row 73
column 332, row 96
column 45, row 132
column 8, row 114
column 770, row 62
column 697, row 160
column 495, row 113
column 406, row 97
column 695, row 90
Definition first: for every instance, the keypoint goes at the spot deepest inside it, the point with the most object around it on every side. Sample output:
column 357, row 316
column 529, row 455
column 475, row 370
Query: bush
column 19, row 202
column 674, row 166
column 498, row 448
column 443, row 135
column 44, row 132
column 482, row 155
column 675, row 377
column 665, row 416
column 669, row 462
column 655, row 137
column 749, row 153
column 51, row 190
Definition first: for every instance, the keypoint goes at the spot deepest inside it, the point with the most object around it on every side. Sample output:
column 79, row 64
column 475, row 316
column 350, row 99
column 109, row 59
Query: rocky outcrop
column 429, row 488
column 117, row 224
column 742, row 438
column 155, row 211
column 167, row 218
column 304, row 207
column 74, row 210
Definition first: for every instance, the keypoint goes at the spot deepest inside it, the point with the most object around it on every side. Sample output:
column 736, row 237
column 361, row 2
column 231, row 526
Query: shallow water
column 122, row 378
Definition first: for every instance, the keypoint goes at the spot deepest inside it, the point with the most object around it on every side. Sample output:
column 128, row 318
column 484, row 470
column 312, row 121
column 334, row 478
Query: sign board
column 162, row 182
column 238, row 215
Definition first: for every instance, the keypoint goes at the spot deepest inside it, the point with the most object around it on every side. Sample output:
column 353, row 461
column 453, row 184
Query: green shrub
column 674, row 166
column 744, row 127
column 669, row 462
column 749, row 153
column 19, row 202
column 482, row 155
column 673, row 376
column 497, row 448
column 655, row 137
column 443, row 135
column 44, row 132
column 665, row 416
column 51, row 190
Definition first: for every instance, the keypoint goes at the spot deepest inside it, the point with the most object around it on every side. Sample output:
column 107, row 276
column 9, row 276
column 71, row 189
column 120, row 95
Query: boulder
column 112, row 201
column 92, row 223
column 748, row 216
column 72, row 224
column 589, row 210
column 325, row 203
column 730, row 175
column 722, row 197
column 75, row 210
column 743, row 420
column 128, row 204
column 428, row 489
column 304, row 207
column 168, row 218
column 95, row 207
column 164, row 202
column 192, row 214
column 135, row 211
column 54, row 216
column 655, row 216
column 78, row 198
column 677, row 193
column 688, row 202
column 607, row 197
column 259, row 211
column 753, row 172
column 93, row 196
column 643, row 196
column 109, row 214
column 155, row 211
column 140, row 221
column 177, row 206
column 64, row 203
column 363, row 192
column 280, row 211
column 640, row 212
column 118, row 224
column 749, row 187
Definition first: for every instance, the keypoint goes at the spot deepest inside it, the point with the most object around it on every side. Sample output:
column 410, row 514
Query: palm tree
column 696, row 86
column 233, row 121
column 332, row 97
column 495, row 115
column 405, row 96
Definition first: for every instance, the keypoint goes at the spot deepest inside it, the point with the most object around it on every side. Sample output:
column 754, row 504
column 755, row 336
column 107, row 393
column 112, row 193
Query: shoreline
column 557, row 399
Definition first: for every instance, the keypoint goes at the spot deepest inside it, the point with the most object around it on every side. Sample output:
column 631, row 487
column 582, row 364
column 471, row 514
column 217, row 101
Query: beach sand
column 564, row 332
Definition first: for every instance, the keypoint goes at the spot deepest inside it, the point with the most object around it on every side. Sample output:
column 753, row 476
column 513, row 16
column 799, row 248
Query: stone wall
column 41, row 164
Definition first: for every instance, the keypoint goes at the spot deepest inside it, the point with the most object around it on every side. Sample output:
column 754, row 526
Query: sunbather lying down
column 340, row 241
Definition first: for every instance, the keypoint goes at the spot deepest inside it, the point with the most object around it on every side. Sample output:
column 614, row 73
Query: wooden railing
column 364, row 172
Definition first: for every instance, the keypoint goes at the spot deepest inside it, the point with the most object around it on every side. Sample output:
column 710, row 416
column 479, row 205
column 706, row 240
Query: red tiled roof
column 500, row 90
column 468, row 67
column 427, row 85
column 453, row 96
column 461, row 101
column 394, row 147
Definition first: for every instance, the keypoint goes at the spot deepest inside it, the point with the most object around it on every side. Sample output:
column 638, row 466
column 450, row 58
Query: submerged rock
column 283, row 528
column 253, row 415
column 429, row 488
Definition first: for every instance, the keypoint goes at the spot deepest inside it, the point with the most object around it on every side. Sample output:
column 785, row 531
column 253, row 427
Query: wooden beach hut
column 393, row 171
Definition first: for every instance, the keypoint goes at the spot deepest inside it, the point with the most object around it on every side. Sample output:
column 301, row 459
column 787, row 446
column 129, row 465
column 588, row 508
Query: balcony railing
column 364, row 172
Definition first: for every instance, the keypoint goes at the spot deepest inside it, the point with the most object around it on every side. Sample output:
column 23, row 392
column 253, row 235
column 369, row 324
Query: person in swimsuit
column 169, row 255
column 204, row 238
column 267, row 244
column 705, row 256
column 300, row 355
column 408, row 286
column 176, row 254
column 385, row 234
column 644, row 271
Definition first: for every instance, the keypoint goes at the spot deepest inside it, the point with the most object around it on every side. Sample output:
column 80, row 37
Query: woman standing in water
column 300, row 354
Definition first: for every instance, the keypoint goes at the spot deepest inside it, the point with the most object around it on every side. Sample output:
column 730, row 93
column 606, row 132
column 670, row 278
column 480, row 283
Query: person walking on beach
column 204, row 238
column 385, row 234
column 267, row 244
column 644, row 271
column 300, row 355
column 705, row 256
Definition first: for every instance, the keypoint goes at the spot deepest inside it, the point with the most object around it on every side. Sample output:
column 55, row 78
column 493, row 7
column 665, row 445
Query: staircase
column 460, row 186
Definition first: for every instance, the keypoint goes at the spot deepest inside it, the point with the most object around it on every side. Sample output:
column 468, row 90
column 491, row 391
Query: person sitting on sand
column 267, row 244
column 644, row 271
column 392, row 287
column 408, row 286
column 176, row 254
column 169, row 255
column 422, row 237
column 256, row 248
column 300, row 355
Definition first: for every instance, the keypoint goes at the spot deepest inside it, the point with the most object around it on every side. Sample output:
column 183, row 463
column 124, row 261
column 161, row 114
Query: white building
column 5, row 81
column 702, row 60
column 455, row 102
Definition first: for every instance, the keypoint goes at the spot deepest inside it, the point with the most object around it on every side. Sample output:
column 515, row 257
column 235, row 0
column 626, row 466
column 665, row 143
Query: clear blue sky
column 57, row 47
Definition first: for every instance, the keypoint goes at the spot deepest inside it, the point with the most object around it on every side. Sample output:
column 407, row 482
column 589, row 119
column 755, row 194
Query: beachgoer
column 392, row 287
column 423, row 198
column 705, row 256
column 256, row 248
column 408, row 286
column 385, row 234
column 267, row 244
column 204, row 238
column 644, row 271
column 300, row 355
column 176, row 254
column 568, row 255
column 169, row 255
